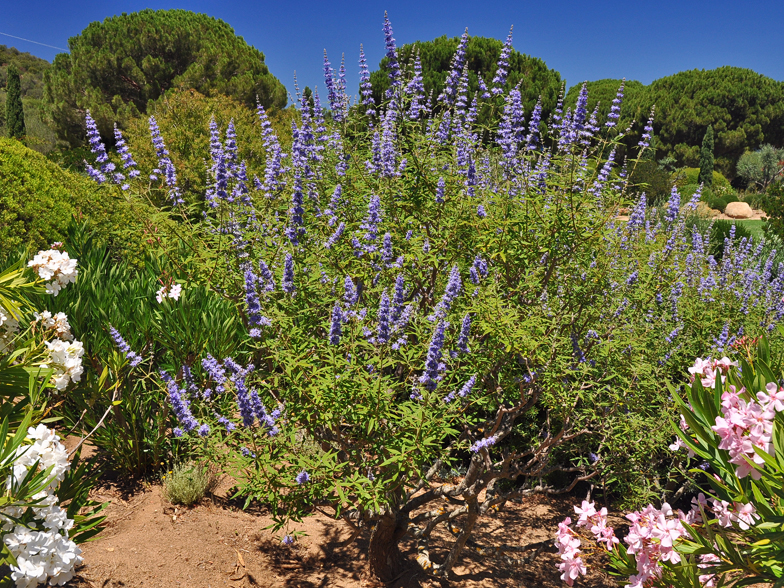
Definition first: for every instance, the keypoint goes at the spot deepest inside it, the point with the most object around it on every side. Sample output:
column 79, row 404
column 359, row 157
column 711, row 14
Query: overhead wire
column 36, row 42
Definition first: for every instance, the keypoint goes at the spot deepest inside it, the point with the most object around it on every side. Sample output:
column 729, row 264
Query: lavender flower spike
column 164, row 162
column 384, row 308
column 131, row 356
column 453, row 288
column 336, row 328
column 393, row 66
column 503, row 65
column 465, row 330
column 615, row 109
column 287, row 284
column 433, row 363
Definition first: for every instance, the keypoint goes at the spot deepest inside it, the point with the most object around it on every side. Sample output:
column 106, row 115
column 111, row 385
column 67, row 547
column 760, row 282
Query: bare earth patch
column 149, row 543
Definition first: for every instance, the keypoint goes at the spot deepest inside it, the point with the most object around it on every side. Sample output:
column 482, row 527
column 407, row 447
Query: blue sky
column 582, row 40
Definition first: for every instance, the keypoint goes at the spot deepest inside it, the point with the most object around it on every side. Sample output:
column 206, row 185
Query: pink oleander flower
column 708, row 580
column 571, row 568
column 773, row 398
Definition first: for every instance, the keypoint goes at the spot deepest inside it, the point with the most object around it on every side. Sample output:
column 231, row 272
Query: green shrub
column 184, row 119
column 37, row 199
column 647, row 177
column 773, row 205
column 188, row 484
column 690, row 176
column 721, row 231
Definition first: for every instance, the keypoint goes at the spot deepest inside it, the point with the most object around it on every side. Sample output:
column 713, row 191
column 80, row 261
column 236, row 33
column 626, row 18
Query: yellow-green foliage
column 184, row 119
column 690, row 176
column 38, row 199
column 187, row 484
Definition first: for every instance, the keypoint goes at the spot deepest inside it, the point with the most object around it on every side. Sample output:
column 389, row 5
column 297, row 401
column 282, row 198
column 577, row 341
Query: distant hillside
column 745, row 108
column 39, row 136
column 30, row 67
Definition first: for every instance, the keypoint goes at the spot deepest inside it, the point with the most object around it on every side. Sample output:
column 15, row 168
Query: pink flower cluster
column 568, row 541
column 745, row 425
column 651, row 539
column 708, row 369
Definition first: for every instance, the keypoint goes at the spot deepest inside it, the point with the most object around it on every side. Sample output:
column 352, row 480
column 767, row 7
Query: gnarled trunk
column 385, row 562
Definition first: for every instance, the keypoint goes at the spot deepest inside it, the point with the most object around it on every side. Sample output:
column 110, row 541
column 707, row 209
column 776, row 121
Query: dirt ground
column 147, row 543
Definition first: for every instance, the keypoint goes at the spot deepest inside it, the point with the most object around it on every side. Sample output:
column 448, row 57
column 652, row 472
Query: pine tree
column 14, row 113
column 706, row 158
column 115, row 67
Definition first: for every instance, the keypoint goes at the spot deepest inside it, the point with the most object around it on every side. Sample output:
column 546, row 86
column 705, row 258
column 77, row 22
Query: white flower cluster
column 173, row 291
column 8, row 329
column 42, row 549
column 56, row 267
column 65, row 358
column 58, row 323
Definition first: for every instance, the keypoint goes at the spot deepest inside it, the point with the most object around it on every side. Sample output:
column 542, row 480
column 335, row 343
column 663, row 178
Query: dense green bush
column 117, row 66
column 37, row 198
column 648, row 177
column 184, row 119
column 773, row 205
column 690, row 176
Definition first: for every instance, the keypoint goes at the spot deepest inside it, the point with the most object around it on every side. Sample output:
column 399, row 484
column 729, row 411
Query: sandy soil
column 149, row 543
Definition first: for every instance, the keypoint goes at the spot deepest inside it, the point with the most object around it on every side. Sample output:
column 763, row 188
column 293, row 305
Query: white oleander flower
column 43, row 552
column 9, row 326
column 56, row 267
column 59, row 323
column 173, row 291
column 65, row 358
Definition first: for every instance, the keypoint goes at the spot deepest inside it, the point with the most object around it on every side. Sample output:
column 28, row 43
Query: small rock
column 738, row 210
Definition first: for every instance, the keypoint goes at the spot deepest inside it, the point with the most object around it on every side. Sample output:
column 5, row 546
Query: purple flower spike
column 350, row 292
column 384, row 308
column 440, row 190
column 615, row 109
column 430, row 376
column 458, row 62
column 453, row 287
column 393, row 66
column 499, row 80
column 483, row 444
column 287, row 284
column 335, row 328
column 131, row 356
column 365, row 89
column 645, row 140
column 180, row 404
column 165, row 163
column 303, row 477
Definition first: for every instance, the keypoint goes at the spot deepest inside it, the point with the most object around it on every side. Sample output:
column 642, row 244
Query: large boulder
column 738, row 210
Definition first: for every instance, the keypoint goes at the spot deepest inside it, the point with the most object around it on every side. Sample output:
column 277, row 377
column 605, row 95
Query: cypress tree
column 706, row 158
column 14, row 113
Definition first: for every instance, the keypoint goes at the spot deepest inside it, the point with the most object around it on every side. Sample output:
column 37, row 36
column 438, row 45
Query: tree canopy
column 117, row 66
column 746, row 109
column 482, row 58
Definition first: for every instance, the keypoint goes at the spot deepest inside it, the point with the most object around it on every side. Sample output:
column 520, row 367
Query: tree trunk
column 385, row 561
